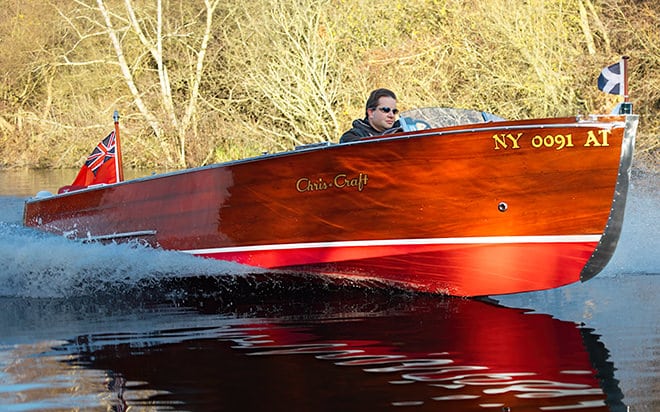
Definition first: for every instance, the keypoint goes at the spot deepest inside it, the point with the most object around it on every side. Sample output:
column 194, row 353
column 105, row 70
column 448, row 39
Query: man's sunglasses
column 388, row 109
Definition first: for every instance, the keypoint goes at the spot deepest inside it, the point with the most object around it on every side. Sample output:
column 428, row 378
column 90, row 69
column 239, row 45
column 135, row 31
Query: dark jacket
column 362, row 128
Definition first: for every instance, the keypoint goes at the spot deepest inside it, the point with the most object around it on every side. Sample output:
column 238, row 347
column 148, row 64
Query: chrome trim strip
column 119, row 235
column 494, row 127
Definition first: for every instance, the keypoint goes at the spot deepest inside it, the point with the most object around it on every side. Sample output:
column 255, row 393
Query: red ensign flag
column 100, row 166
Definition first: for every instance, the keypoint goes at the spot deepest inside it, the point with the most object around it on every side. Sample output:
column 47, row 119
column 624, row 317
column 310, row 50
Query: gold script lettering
column 339, row 181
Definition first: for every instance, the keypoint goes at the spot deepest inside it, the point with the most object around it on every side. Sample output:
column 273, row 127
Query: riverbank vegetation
column 198, row 82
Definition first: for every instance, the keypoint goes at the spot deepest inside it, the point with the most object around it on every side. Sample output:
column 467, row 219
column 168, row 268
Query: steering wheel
column 408, row 124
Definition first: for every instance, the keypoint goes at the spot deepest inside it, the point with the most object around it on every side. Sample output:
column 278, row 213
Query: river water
column 116, row 328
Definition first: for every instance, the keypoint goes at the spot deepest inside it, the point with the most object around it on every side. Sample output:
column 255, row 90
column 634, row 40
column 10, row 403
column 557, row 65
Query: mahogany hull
column 472, row 210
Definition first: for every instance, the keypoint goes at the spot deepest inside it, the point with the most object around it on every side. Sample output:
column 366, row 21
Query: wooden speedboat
column 458, row 203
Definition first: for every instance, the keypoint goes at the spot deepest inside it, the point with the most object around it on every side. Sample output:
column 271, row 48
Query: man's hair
column 375, row 95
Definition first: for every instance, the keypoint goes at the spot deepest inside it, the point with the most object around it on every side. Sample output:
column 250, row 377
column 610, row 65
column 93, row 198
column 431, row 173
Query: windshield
column 432, row 117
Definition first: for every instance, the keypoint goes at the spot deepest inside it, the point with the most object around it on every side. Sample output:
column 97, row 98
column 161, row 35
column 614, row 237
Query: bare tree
column 168, row 45
column 292, row 71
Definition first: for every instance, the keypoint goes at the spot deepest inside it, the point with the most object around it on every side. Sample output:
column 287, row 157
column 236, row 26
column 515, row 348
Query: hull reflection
column 384, row 352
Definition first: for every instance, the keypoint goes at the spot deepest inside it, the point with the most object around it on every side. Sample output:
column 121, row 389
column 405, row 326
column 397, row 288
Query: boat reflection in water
column 362, row 353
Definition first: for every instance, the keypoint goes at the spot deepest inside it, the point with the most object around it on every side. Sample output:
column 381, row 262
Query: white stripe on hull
column 404, row 242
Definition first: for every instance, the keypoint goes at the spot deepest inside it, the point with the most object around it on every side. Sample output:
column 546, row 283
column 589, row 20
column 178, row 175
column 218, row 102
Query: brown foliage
column 284, row 72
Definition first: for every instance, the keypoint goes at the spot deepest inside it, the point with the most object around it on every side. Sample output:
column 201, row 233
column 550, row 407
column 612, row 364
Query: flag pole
column 626, row 106
column 624, row 60
column 118, row 164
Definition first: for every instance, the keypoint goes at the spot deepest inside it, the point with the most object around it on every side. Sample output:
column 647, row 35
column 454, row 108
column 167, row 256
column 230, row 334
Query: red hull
column 499, row 268
column 482, row 209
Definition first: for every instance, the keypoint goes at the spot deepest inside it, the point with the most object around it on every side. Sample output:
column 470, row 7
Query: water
column 118, row 328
